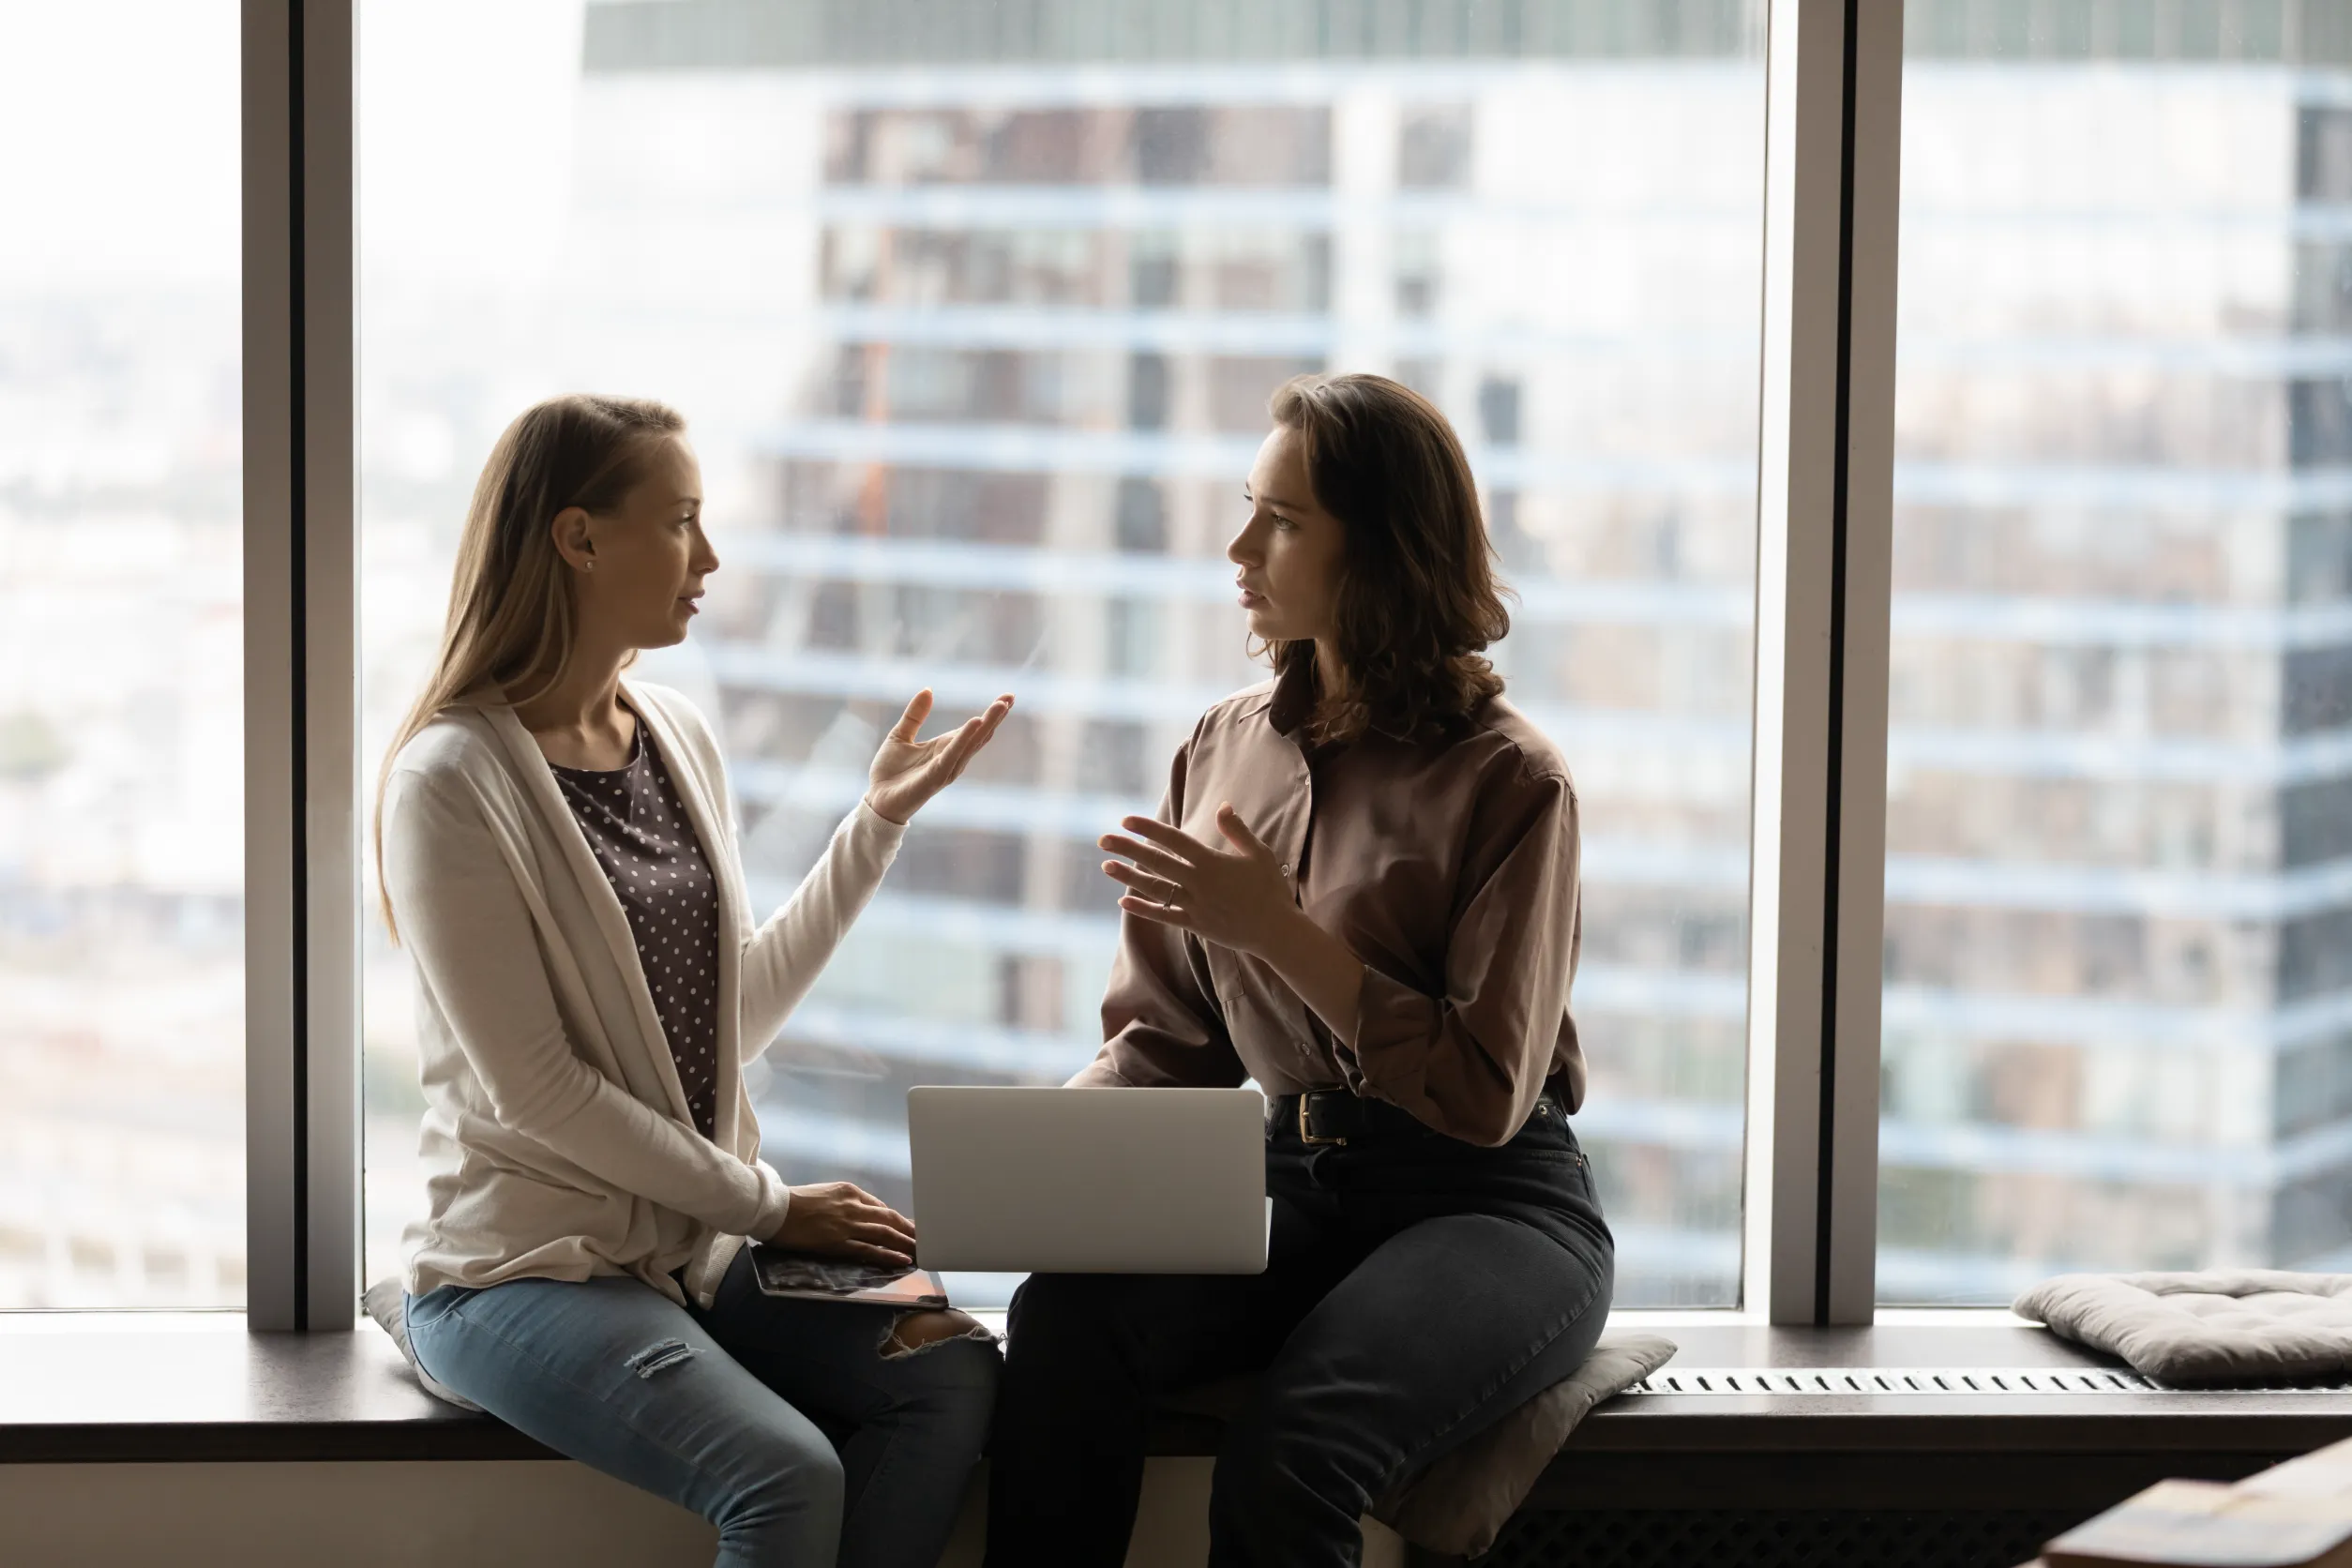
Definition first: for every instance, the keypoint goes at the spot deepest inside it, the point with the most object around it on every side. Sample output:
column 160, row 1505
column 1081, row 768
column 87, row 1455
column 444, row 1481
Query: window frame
column 302, row 779
column 1833, row 112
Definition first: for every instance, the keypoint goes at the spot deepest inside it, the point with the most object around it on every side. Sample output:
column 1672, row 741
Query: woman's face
column 1289, row 550
column 640, row 567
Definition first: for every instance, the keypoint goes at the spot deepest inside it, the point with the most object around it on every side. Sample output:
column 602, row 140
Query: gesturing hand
column 908, row 771
column 1234, row 897
column 841, row 1219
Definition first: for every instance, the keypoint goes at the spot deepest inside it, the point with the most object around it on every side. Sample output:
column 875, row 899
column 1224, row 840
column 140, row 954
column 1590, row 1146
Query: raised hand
column 1234, row 896
column 841, row 1219
column 908, row 771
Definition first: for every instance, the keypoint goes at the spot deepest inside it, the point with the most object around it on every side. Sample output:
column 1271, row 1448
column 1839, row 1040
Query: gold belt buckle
column 1306, row 1134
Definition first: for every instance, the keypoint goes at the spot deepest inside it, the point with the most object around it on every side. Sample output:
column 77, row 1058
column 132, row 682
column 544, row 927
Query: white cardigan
column 557, row 1140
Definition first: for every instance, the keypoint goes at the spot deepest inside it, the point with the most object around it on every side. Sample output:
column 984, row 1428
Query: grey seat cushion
column 2214, row 1328
column 1458, row 1506
column 384, row 1302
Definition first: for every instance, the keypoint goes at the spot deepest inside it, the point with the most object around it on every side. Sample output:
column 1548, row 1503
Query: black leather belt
column 1334, row 1118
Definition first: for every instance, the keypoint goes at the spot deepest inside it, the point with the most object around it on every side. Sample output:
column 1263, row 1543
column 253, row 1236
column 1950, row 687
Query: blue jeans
column 793, row 1426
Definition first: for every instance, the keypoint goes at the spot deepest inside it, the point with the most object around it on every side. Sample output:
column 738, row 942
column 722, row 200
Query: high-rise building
column 976, row 307
column 2119, row 1004
column 1031, row 288
column 1024, row 295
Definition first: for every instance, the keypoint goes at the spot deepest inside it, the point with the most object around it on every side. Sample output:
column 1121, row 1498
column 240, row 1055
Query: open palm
column 907, row 772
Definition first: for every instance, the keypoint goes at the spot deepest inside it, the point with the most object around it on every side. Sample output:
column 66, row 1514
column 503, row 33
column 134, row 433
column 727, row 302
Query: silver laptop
column 1089, row 1181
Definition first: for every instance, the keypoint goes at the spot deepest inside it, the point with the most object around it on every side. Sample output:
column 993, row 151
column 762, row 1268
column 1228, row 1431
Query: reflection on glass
column 122, row 789
column 977, row 347
column 2120, row 794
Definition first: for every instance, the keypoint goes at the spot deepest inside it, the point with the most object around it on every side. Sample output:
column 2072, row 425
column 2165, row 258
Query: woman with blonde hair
column 557, row 849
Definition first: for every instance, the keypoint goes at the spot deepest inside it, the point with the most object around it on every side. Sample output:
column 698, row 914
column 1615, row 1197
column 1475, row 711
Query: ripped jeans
column 800, row 1429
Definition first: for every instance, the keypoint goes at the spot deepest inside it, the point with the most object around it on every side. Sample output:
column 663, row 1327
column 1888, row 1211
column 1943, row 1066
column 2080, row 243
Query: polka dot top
column 642, row 836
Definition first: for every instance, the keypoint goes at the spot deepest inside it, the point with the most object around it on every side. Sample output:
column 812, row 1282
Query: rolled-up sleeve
column 1471, row 1062
column 1161, row 1023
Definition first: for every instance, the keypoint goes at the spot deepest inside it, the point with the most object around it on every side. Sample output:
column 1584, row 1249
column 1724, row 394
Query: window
column 122, row 983
column 977, row 352
column 2120, row 809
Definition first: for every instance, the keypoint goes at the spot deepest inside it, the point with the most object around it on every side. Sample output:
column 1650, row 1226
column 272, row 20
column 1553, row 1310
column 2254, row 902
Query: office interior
column 1918, row 434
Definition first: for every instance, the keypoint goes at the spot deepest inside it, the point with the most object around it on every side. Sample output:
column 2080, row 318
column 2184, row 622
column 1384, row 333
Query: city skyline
column 2117, row 1030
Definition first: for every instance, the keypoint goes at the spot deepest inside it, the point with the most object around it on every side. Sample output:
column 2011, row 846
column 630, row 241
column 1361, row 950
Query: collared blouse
column 1449, row 866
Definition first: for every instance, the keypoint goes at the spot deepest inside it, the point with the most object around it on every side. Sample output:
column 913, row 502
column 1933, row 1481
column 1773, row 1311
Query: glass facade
column 975, row 308
column 122, row 761
column 2117, row 1012
column 977, row 341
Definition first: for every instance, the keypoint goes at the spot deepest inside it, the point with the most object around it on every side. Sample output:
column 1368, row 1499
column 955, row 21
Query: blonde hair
column 512, row 618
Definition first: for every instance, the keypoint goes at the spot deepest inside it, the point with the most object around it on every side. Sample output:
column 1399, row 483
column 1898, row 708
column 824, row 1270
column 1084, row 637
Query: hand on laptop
column 841, row 1219
column 908, row 771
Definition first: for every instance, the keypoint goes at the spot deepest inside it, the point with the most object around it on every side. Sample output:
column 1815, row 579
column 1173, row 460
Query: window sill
column 190, row 1387
column 166, row 1387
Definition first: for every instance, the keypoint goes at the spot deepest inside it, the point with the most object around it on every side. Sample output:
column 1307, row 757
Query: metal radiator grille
column 1818, row 1380
column 1647, row 1538
column 1815, row 1382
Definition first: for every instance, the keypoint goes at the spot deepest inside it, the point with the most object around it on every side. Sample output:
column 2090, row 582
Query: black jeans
column 1418, row 1290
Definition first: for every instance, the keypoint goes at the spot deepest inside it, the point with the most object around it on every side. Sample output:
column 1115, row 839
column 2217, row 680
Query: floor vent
column 1867, row 1381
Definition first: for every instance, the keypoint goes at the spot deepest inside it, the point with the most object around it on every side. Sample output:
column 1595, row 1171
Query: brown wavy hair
column 512, row 622
column 1418, row 602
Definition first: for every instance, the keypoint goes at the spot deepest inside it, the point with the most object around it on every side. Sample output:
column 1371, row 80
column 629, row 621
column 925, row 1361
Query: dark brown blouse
column 645, row 842
column 1449, row 868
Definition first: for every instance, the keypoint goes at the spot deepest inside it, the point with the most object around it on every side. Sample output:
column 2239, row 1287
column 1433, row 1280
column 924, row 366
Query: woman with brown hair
column 1361, row 891
column 557, row 846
